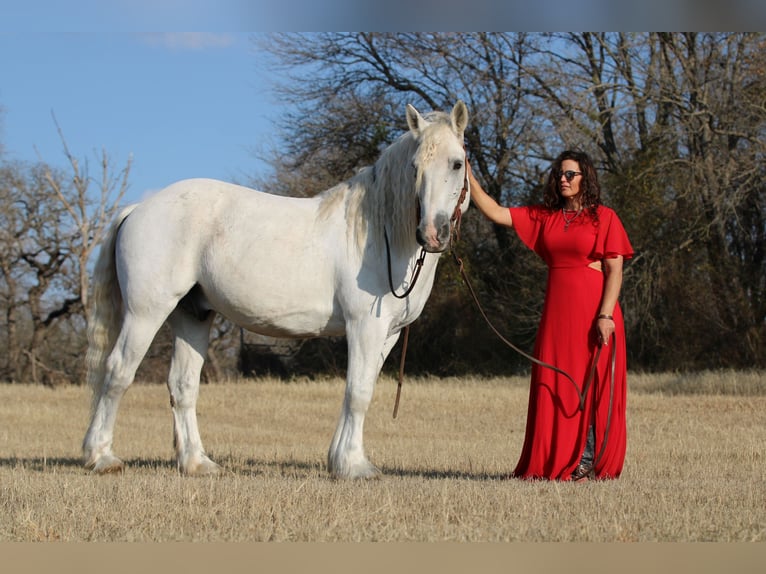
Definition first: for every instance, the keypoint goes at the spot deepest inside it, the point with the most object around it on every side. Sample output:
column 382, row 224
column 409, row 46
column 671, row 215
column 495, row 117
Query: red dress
column 566, row 338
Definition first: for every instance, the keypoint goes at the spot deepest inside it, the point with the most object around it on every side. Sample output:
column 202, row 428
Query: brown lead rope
column 613, row 360
column 456, row 219
column 401, row 370
column 415, row 272
column 527, row 356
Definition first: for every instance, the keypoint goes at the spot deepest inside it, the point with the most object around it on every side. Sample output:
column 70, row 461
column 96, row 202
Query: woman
column 584, row 244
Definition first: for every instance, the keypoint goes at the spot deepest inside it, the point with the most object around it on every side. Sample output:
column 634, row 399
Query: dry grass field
column 695, row 468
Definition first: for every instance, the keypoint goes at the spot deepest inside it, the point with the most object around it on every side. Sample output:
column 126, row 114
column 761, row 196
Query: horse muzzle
column 434, row 236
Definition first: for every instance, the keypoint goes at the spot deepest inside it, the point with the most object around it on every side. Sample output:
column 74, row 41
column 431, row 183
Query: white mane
column 385, row 194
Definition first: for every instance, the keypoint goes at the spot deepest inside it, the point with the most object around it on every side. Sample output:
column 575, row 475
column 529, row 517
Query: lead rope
column 590, row 469
column 415, row 272
column 455, row 221
column 401, row 370
column 527, row 356
column 413, row 280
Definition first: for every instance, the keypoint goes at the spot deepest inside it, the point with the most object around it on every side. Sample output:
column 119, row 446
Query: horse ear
column 460, row 116
column 415, row 120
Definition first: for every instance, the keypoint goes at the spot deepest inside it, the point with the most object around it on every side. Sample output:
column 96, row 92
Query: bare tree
column 369, row 77
column 34, row 259
column 12, row 227
column 675, row 121
column 90, row 213
column 49, row 227
column 716, row 99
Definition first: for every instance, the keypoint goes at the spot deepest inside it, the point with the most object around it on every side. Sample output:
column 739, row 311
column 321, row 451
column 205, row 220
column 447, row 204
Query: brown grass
column 695, row 469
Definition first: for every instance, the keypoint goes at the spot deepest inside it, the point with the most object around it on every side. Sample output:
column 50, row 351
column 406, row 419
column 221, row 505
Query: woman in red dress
column 584, row 245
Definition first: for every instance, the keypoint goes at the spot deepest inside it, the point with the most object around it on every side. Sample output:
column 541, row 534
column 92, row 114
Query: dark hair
column 590, row 190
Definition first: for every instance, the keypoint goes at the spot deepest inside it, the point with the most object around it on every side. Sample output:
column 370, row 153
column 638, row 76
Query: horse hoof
column 371, row 472
column 204, row 467
column 106, row 464
column 359, row 471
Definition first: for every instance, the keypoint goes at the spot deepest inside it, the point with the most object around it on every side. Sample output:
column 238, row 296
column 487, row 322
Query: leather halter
column 454, row 229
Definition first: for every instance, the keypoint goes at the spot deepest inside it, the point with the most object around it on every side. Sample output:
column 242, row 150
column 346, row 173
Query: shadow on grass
column 293, row 468
column 46, row 464
column 290, row 467
column 442, row 474
column 251, row 467
column 40, row 463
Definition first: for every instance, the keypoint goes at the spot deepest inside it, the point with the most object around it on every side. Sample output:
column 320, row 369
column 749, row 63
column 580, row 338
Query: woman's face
column 570, row 188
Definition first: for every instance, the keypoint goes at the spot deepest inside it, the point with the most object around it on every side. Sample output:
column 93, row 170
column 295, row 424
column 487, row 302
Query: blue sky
column 195, row 104
column 180, row 104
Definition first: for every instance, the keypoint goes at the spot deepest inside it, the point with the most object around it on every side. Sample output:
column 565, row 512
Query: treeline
column 674, row 121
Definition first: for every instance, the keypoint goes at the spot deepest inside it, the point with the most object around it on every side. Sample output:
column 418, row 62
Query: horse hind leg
column 130, row 347
column 191, row 331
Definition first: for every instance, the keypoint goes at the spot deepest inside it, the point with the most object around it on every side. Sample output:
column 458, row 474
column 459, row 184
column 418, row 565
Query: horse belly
column 288, row 321
column 290, row 297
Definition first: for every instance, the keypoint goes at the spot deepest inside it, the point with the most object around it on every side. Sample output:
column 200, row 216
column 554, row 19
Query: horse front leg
column 367, row 350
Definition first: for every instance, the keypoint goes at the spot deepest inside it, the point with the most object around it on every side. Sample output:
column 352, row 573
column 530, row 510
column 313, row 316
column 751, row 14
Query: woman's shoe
column 583, row 473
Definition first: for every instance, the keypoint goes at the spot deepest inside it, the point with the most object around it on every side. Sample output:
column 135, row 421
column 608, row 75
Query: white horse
column 279, row 266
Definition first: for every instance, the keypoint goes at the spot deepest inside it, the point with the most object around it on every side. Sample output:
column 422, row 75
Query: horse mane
column 383, row 196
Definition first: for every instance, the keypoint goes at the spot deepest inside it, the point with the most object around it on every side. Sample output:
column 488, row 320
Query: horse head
column 439, row 165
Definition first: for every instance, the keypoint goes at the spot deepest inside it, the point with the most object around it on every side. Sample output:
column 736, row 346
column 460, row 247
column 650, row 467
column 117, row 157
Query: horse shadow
column 442, row 474
column 307, row 469
column 252, row 467
column 39, row 463
column 47, row 463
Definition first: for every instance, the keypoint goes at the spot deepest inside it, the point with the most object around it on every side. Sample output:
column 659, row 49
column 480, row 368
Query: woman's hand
column 605, row 328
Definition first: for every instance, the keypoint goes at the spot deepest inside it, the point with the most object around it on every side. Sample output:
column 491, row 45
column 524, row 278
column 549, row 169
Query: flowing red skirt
column 556, row 426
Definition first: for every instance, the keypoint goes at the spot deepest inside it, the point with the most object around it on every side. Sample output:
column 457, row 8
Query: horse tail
column 105, row 315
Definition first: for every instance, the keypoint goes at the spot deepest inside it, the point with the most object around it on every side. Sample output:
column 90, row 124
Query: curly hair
column 590, row 190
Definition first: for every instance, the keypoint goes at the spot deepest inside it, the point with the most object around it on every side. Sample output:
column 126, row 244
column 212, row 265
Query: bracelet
column 602, row 316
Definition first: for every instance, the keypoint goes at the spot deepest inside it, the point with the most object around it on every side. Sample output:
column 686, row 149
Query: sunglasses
column 569, row 174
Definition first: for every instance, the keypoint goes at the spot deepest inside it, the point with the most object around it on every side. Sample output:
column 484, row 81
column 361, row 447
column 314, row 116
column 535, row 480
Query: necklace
column 568, row 221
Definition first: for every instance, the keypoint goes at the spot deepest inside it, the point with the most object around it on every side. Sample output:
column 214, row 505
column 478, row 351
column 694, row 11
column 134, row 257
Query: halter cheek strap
column 457, row 215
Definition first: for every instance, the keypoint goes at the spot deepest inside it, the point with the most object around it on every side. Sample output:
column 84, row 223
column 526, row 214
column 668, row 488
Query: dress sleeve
column 612, row 239
column 528, row 223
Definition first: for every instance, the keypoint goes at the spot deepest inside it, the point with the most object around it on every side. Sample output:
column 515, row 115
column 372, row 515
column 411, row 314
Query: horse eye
column 457, row 165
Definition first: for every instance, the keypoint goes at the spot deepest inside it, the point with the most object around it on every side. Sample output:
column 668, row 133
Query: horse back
column 267, row 262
